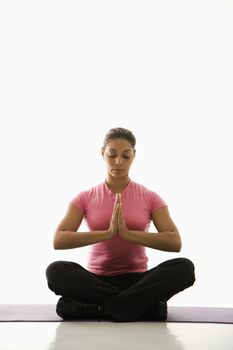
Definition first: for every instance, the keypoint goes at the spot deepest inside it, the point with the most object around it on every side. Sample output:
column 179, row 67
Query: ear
column 102, row 151
column 134, row 152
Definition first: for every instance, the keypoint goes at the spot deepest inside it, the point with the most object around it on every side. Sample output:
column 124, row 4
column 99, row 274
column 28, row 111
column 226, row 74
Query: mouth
column 118, row 170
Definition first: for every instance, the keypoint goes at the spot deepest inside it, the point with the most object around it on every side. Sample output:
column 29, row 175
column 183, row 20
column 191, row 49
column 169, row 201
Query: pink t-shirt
column 116, row 255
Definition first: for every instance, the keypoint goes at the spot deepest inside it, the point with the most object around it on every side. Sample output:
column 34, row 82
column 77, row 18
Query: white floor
column 115, row 336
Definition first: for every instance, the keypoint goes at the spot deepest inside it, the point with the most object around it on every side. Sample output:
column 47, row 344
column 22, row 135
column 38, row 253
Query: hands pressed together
column 117, row 224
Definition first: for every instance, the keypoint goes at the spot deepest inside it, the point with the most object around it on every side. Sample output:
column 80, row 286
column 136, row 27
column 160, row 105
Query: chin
column 120, row 175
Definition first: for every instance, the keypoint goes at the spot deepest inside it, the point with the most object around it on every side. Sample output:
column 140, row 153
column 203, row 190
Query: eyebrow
column 126, row 150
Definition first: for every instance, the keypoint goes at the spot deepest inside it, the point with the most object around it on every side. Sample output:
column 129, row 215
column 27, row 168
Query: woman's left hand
column 122, row 228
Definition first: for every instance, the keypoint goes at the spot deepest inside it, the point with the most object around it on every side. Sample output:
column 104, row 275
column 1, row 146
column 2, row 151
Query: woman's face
column 118, row 156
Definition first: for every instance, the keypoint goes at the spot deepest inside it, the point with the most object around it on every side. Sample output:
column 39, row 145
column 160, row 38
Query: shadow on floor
column 114, row 336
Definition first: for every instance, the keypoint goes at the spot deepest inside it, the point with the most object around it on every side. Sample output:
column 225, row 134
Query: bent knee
column 53, row 270
column 188, row 269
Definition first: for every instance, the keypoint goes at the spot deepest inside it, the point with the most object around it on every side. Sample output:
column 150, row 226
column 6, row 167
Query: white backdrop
column 70, row 70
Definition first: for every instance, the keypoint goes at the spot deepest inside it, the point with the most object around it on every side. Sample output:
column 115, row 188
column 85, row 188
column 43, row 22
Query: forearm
column 70, row 239
column 166, row 241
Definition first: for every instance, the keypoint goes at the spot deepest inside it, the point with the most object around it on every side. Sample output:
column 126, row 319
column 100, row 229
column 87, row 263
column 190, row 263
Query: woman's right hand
column 113, row 227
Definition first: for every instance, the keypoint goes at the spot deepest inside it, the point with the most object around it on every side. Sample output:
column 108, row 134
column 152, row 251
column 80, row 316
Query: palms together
column 117, row 223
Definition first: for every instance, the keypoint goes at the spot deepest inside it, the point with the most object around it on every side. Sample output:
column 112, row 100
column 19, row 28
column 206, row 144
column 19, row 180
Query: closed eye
column 125, row 157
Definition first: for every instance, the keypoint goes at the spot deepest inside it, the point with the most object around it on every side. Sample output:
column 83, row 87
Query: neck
column 117, row 185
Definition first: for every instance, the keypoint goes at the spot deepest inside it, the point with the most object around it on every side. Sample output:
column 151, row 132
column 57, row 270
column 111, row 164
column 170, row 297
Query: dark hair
column 119, row 133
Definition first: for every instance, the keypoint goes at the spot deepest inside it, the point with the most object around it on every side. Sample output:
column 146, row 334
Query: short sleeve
column 79, row 201
column 157, row 202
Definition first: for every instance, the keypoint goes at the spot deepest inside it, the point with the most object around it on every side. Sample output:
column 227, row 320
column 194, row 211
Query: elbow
column 177, row 242
column 57, row 242
column 56, row 245
column 178, row 246
column 177, row 249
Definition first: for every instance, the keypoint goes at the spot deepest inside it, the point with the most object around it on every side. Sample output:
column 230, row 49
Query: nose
column 118, row 161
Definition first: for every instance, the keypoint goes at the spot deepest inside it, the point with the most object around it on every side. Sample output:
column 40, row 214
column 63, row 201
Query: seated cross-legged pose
column 117, row 284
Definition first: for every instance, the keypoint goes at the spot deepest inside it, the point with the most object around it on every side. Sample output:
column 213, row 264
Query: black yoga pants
column 127, row 296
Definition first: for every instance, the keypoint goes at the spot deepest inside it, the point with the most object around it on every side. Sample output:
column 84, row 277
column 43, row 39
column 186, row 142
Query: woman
column 117, row 284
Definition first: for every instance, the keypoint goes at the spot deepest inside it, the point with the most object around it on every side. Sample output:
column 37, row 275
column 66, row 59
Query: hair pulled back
column 119, row 133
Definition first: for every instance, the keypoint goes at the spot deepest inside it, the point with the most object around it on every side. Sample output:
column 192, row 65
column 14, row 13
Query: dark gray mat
column 47, row 313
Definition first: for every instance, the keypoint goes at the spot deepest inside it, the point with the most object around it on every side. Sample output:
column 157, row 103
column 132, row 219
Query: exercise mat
column 47, row 313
